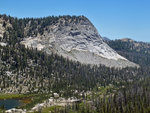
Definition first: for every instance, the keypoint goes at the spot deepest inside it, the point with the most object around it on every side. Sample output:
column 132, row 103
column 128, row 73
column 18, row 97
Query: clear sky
column 112, row 18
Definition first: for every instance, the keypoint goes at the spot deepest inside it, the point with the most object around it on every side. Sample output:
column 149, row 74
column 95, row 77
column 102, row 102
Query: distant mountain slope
column 72, row 37
column 106, row 39
column 138, row 52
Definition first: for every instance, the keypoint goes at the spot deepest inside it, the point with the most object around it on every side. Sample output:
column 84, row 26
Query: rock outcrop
column 78, row 41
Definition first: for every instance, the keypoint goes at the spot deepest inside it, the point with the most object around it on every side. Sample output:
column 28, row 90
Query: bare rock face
column 78, row 41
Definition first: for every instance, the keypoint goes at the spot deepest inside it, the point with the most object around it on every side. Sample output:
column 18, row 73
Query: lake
column 10, row 103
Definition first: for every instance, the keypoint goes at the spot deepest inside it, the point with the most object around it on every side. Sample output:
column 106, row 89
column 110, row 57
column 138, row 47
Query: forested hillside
column 102, row 89
column 28, row 70
column 138, row 52
column 32, row 70
column 134, row 98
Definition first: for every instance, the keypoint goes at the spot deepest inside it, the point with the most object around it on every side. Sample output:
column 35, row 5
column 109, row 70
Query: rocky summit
column 78, row 40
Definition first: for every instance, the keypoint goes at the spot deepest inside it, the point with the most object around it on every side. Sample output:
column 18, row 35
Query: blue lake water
column 10, row 103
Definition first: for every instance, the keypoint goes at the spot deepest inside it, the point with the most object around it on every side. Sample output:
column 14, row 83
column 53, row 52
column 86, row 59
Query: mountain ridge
column 73, row 37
